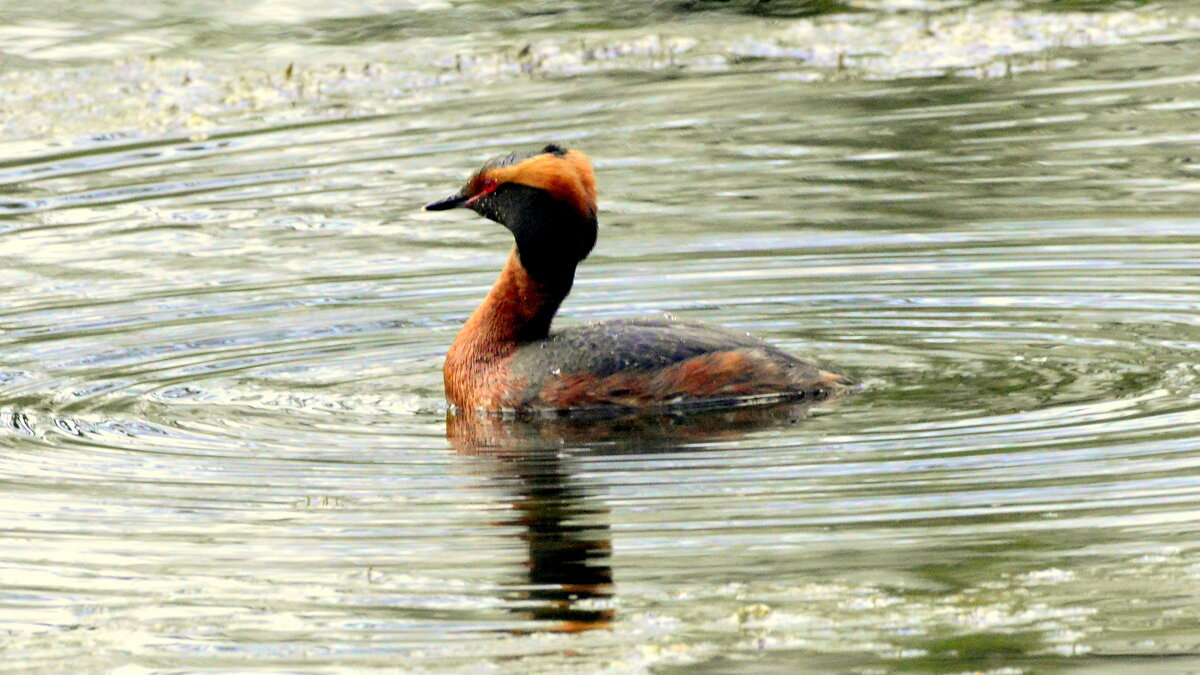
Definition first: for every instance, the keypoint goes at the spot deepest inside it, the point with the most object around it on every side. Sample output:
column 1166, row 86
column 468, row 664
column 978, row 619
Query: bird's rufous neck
column 517, row 310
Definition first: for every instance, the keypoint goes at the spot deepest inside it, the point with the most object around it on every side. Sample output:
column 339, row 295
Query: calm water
column 225, row 447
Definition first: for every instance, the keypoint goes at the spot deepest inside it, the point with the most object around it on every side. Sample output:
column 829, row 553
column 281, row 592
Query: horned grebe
column 506, row 359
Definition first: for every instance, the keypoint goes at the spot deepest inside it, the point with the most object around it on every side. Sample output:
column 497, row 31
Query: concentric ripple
column 225, row 441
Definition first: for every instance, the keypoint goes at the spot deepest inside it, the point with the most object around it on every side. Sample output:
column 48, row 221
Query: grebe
column 506, row 359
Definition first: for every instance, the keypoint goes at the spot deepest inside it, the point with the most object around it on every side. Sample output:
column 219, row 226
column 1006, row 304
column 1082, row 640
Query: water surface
column 225, row 446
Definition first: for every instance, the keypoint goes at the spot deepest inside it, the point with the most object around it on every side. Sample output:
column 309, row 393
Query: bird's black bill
column 453, row 201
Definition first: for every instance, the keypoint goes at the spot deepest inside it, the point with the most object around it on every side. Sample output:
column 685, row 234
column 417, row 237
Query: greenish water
column 224, row 442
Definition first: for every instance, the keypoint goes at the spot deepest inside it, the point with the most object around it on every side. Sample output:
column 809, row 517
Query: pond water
column 224, row 442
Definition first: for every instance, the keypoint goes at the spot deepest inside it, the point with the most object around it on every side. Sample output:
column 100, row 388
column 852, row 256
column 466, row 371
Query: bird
column 506, row 358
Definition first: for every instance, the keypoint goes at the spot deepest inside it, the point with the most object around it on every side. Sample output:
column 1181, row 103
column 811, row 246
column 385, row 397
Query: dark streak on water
column 224, row 440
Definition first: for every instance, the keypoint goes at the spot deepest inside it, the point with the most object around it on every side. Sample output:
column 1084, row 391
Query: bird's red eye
column 486, row 187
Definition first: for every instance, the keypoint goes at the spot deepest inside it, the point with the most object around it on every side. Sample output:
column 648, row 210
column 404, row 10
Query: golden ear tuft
column 565, row 174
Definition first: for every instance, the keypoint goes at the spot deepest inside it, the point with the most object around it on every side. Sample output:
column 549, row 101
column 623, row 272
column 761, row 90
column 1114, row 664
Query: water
column 225, row 446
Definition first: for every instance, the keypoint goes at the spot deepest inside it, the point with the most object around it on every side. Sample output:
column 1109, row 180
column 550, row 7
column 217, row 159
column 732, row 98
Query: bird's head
column 546, row 197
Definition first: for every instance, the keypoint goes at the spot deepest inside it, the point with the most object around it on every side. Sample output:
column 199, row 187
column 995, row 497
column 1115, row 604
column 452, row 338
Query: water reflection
column 569, row 540
column 565, row 524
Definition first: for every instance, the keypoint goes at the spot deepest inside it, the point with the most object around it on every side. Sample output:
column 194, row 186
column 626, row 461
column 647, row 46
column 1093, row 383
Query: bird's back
column 647, row 363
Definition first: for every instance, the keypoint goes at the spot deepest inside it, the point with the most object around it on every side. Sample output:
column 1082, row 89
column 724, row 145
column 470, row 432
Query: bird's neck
column 518, row 310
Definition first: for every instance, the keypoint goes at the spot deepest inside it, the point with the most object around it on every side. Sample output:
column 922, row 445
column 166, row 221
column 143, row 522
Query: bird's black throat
column 552, row 236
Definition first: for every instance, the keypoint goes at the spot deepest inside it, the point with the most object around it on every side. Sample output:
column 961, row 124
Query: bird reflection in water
column 568, row 586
